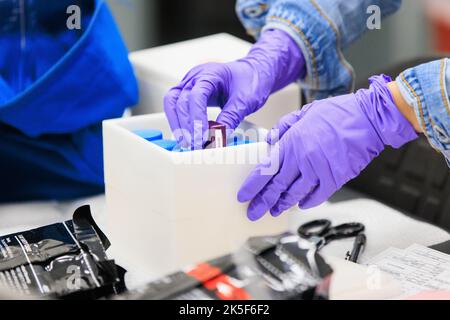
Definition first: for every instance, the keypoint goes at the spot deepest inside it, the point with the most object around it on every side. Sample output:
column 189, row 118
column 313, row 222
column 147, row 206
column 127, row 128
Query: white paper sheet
column 418, row 268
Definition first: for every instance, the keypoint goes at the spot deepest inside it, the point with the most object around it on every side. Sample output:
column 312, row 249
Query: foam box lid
column 169, row 63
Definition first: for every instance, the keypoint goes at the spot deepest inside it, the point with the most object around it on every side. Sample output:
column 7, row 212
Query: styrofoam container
column 167, row 210
column 160, row 68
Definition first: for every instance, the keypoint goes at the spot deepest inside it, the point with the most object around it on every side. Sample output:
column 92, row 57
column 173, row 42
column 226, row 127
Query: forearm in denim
column 425, row 87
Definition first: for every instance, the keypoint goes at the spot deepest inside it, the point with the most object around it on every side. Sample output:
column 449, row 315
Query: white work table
column 385, row 227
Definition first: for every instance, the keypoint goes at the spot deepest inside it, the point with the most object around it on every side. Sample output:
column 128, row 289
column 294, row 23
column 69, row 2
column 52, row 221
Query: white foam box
column 160, row 68
column 167, row 210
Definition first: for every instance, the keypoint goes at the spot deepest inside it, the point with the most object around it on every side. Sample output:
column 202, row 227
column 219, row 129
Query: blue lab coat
column 56, row 87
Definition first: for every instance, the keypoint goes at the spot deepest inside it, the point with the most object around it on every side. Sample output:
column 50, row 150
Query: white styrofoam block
column 167, row 209
column 160, row 68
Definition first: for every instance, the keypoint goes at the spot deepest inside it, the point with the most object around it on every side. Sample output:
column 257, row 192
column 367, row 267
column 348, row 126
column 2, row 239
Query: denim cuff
column 425, row 88
column 328, row 73
column 252, row 14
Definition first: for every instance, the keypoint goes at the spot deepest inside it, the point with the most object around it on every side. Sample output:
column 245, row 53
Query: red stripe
column 214, row 280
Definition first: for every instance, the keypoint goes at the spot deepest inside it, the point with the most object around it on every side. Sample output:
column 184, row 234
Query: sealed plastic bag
column 264, row 268
column 62, row 260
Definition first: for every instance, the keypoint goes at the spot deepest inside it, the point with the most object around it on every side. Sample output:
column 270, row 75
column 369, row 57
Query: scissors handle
column 345, row 230
column 315, row 228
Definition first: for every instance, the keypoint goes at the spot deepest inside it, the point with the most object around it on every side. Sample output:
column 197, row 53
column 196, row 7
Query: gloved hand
column 322, row 146
column 239, row 88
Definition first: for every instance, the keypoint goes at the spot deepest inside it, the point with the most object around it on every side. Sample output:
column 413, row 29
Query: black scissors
column 320, row 232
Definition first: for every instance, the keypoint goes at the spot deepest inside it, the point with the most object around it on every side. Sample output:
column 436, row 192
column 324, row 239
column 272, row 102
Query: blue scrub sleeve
column 92, row 81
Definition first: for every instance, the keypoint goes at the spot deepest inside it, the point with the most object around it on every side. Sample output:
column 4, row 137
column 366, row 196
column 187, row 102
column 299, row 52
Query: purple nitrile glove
column 322, row 146
column 240, row 87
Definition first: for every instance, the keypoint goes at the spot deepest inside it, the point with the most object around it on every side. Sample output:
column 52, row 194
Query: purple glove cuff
column 283, row 58
column 379, row 106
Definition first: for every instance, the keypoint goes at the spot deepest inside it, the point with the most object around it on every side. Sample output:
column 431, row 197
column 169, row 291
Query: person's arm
column 239, row 87
column 297, row 40
column 403, row 106
column 321, row 28
column 328, row 142
column 425, row 88
column 317, row 149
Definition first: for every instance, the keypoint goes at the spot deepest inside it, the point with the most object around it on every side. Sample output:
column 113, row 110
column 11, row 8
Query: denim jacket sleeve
column 322, row 29
column 426, row 88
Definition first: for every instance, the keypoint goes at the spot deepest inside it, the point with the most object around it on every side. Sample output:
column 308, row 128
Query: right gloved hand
column 240, row 87
column 322, row 146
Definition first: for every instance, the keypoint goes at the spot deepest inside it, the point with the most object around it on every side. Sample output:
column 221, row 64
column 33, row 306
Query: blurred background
column 420, row 28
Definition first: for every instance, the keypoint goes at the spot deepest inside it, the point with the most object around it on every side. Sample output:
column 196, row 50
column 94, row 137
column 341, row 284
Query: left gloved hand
column 322, row 146
column 239, row 87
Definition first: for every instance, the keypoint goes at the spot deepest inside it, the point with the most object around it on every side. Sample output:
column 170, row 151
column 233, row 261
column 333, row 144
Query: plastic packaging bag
column 264, row 268
column 62, row 260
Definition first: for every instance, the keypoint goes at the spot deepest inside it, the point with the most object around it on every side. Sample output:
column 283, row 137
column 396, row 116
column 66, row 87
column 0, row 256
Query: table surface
column 385, row 227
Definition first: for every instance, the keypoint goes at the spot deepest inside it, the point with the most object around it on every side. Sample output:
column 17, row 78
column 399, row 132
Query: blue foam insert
column 149, row 134
column 166, row 144
column 239, row 142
